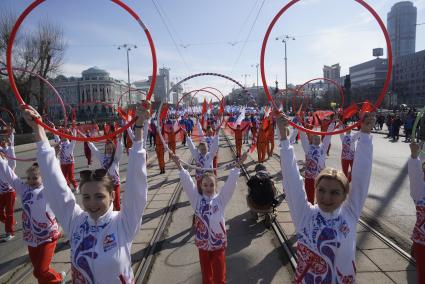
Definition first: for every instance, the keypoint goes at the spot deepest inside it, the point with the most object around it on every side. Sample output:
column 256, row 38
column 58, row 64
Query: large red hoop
column 15, row 90
column 384, row 88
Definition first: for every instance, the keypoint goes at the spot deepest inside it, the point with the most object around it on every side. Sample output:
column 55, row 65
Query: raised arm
column 134, row 200
column 95, row 151
column 327, row 139
column 291, row 179
column 293, row 136
column 362, row 168
column 229, row 187
column 200, row 131
column 145, row 133
column 11, row 151
column 214, row 145
column 304, row 141
column 8, row 175
column 119, row 150
column 192, row 148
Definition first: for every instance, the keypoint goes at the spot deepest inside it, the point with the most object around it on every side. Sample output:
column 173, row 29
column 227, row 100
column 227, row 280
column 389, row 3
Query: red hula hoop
column 384, row 88
column 58, row 97
column 15, row 90
column 222, row 115
column 10, row 115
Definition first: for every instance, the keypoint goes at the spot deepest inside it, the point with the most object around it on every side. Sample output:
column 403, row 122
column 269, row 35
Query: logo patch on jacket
column 109, row 242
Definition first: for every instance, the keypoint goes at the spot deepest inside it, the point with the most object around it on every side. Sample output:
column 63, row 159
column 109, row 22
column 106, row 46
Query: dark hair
column 99, row 175
column 113, row 153
column 260, row 167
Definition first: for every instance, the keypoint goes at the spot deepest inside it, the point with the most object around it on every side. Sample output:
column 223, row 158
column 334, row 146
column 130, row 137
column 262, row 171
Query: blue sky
column 212, row 36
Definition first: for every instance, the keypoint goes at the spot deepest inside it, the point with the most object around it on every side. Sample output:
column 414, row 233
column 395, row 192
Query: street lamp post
column 245, row 75
column 127, row 48
column 256, row 66
column 285, row 39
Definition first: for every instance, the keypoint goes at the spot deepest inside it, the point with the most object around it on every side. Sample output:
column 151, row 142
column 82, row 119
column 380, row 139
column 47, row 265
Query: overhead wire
column 249, row 34
column 171, row 36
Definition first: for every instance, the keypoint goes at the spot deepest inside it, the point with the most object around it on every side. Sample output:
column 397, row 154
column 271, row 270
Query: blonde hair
column 332, row 173
column 211, row 175
column 34, row 169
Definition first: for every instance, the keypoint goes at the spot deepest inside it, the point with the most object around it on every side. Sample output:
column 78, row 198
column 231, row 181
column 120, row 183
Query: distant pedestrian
column 396, row 124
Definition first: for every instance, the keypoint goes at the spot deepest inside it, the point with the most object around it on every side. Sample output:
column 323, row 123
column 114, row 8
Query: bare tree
column 41, row 51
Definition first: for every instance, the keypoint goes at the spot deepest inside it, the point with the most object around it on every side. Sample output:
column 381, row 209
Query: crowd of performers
column 325, row 203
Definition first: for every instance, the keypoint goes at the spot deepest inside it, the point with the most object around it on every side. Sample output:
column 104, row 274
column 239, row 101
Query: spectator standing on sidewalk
column 408, row 126
column 396, row 127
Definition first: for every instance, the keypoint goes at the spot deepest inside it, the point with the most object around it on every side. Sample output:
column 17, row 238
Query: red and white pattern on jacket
column 311, row 263
column 418, row 235
column 66, row 155
column 312, row 162
column 347, row 153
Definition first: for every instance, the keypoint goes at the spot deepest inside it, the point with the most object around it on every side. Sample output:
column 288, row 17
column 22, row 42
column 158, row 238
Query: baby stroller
column 263, row 198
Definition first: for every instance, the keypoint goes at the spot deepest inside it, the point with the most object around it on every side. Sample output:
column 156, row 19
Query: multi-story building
column 332, row 72
column 162, row 85
column 401, row 25
column 409, row 79
column 369, row 74
column 94, row 85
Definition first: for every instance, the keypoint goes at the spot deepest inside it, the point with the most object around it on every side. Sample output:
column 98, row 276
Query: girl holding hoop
column 66, row 157
column 315, row 156
column 416, row 171
column 40, row 229
column 7, row 192
column 110, row 161
column 209, row 205
column 100, row 238
column 327, row 230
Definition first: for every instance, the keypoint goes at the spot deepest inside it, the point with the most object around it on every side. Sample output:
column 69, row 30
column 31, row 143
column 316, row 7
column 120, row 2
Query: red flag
column 367, row 107
column 204, row 106
column 265, row 122
column 350, row 111
column 222, row 106
column 131, row 113
column 163, row 112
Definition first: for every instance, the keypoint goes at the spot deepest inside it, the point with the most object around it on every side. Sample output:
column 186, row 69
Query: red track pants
column 41, row 256
column 309, row 189
column 347, row 166
column 419, row 251
column 7, row 204
column 213, row 266
column 68, row 173
column 117, row 200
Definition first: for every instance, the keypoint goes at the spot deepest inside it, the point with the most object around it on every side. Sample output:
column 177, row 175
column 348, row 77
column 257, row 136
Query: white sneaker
column 63, row 274
column 8, row 237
